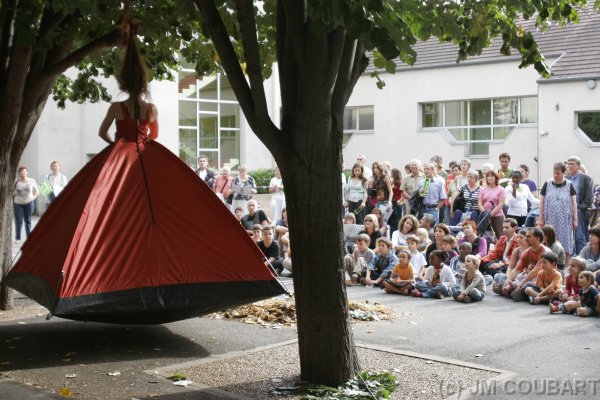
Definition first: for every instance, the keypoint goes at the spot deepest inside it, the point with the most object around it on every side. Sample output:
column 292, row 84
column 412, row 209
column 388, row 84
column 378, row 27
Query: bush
column 262, row 177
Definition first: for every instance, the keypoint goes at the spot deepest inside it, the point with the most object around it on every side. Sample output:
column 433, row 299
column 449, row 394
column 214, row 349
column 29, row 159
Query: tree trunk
column 313, row 198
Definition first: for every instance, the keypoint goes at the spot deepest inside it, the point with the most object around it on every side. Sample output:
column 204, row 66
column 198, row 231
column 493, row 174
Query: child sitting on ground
column 576, row 266
column 439, row 279
column 548, row 283
column 457, row 264
column 449, row 244
column 402, row 279
column 417, row 259
column 588, row 298
column 472, row 286
column 355, row 264
column 381, row 265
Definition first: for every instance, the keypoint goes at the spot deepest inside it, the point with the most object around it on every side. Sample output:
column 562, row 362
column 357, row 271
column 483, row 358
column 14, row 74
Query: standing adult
column 24, row 194
column 491, row 199
column 277, row 197
column 410, row 182
column 355, row 194
column 382, row 185
column 432, row 192
column 222, row 186
column 465, row 167
column 397, row 200
column 517, row 195
column 203, row 172
column 584, row 188
column 558, row 207
column 362, row 160
column 243, row 187
column 505, row 171
column 56, row 180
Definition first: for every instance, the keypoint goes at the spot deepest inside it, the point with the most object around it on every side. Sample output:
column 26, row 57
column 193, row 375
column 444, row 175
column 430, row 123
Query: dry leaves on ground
column 279, row 313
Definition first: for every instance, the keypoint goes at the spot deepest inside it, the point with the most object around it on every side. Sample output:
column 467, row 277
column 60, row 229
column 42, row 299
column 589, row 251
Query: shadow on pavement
column 36, row 343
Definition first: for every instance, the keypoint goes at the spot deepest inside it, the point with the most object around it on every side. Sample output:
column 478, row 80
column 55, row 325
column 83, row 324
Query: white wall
column 397, row 137
column 561, row 140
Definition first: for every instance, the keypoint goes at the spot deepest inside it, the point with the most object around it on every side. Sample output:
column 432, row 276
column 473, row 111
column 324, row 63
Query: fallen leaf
column 70, row 375
column 276, row 380
column 65, row 392
column 115, row 373
column 478, row 355
column 429, row 362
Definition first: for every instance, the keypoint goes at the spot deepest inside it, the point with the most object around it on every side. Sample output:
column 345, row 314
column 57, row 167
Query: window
column 589, row 123
column 209, row 120
column 477, row 123
column 358, row 120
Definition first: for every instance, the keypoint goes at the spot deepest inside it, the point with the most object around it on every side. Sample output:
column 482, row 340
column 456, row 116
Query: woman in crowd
column 277, row 197
column 524, row 169
column 470, row 194
column 485, row 168
column 461, row 180
column 491, row 199
column 382, row 186
column 56, row 181
column 372, row 229
column 558, row 207
column 383, row 226
column 591, row 252
column 478, row 244
column 24, row 194
column 243, row 187
column 554, row 245
column 439, row 233
column 408, row 225
column 397, row 200
column 517, row 195
column 355, row 195
column 222, row 186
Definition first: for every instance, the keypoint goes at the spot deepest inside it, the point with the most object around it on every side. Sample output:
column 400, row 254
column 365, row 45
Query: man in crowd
column 254, row 217
column 362, row 160
column 203, row 172
column 497, row 260
column 584, row 186
column 432, row 191
column 409, row 183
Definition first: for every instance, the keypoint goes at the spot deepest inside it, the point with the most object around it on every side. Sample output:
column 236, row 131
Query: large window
column 209, row 120
column 589, row 123
column 358, row 120
column 477, row 123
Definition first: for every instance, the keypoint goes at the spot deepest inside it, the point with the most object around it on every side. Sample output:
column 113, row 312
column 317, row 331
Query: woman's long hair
column 132, row 77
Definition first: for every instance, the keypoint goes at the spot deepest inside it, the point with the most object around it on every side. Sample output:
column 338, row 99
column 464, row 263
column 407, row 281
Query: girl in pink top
column 491, row 198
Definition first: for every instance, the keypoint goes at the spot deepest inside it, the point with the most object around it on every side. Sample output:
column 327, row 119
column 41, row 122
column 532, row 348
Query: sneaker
column 351, row 282
column 531, row 300
column 554, row 308
column 416, row 293
column 363, row 281
column 467, row 299
column 497, row 288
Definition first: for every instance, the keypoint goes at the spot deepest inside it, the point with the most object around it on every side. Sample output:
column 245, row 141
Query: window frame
column 349, row 133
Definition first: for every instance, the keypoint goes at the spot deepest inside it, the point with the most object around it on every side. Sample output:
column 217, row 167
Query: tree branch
column 246, row 19
column 107, row 40
column 50, row 22
column 361, row 62
column 295, row 13
column 7, row 15
column 346, row 65
column 337, row 45
column 288, row 68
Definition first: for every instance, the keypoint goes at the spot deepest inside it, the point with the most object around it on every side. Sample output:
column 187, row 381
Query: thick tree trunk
column 313, row 198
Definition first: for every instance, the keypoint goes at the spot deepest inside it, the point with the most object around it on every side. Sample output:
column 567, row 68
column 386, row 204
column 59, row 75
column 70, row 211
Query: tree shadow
column 30, row 344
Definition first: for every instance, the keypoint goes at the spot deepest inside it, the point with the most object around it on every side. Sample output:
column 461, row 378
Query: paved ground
column 542, row 349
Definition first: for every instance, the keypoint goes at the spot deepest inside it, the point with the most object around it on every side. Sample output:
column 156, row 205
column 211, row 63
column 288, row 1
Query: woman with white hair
column 243, row 187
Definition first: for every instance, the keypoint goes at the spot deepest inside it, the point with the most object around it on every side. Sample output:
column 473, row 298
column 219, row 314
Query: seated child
column 424, row 240
column 381, row 265
column 588, row 298
column 355, row 264
column 257, row 232
column 449, row 244
column 417, row 259
column 439, row 279
column 576, row 266
column 457, row 264
column 402, row 279
column 270, row 249
column 548, row 283
column 472, row 286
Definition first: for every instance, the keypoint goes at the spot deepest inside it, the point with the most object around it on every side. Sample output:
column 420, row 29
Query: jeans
column 354, row 205
column 582, row 235
column 531, row 217
column 474, row 294
column 434, row 212
column 429, row 291
column 22, row 214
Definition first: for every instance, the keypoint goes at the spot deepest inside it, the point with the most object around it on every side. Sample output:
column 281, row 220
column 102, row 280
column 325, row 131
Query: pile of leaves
column 364, row 386
column 278, row 313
